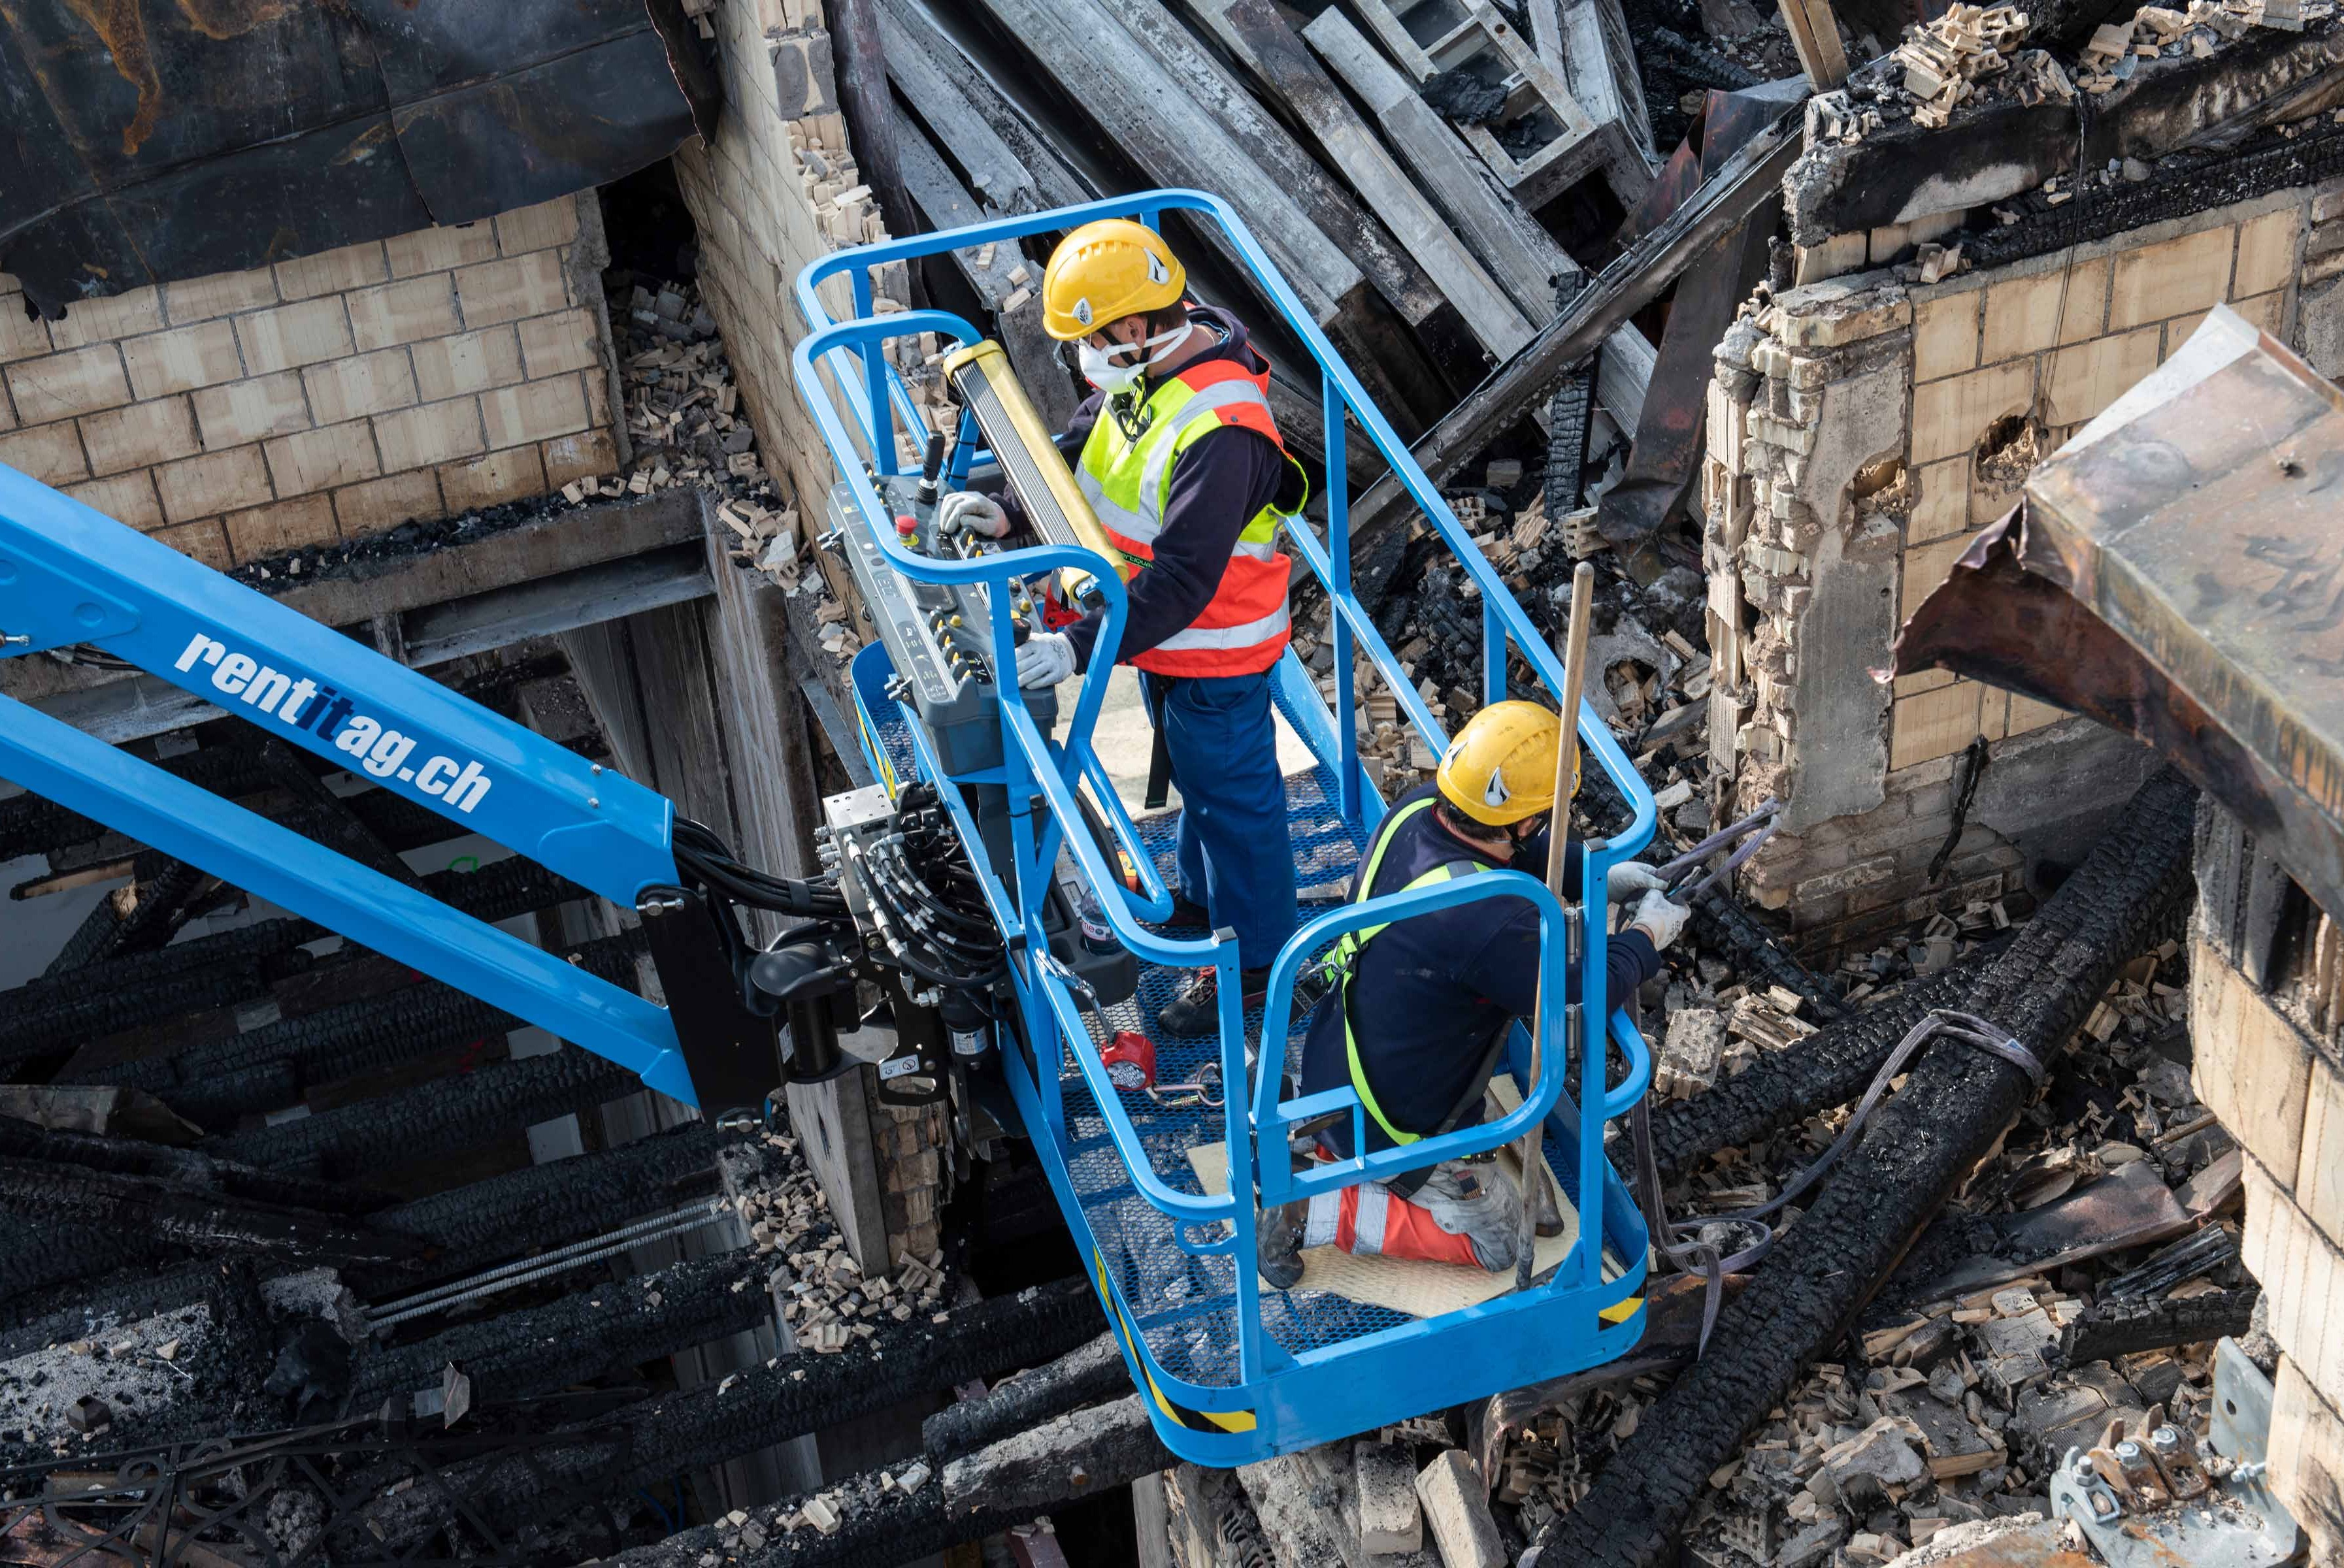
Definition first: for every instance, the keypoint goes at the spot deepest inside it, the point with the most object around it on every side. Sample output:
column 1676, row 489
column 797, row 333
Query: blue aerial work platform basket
column 1234, row 1374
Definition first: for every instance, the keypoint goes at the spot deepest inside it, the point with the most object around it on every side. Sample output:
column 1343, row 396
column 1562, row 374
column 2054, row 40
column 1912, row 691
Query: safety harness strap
column 1345, row 953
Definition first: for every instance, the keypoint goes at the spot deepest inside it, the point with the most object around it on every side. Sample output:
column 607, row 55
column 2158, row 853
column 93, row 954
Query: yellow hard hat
column 1105, row 271
column 1501, row 768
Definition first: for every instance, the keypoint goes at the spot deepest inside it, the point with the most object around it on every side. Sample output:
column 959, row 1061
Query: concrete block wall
column 776, row 189
column 1863, row 429
column 245, row 414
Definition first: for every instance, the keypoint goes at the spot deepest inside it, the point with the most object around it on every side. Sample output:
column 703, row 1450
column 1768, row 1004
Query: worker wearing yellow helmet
column 1175, row 451
column 1418, row 1032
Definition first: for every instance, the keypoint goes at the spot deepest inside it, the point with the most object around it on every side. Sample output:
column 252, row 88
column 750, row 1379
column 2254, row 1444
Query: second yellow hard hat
column 1501, row 767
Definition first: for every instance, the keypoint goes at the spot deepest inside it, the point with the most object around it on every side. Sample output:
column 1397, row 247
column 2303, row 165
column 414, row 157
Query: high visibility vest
column 1244, row 629
column 1344, row 954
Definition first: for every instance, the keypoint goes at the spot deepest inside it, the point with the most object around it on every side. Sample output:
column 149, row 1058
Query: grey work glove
column 1661, row 918
column 965, row 511
column 1478, row 1203
column 1045, row 658
column 1629, row 878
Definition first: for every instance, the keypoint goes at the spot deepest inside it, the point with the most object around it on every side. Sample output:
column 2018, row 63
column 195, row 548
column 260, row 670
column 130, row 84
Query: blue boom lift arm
column 70, row 577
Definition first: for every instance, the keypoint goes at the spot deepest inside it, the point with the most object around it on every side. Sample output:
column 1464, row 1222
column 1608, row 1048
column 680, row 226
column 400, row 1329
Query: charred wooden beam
column 1072, row 1456
column 139, row 918
column 1081, row 1377
column 180, row 1215
column 2126, row 1326
column 602, row 1330
column 432, row 1119
column 748, row 1411
column 34, row 825
column 1957, row 1100
column 186, row 1167
column 318, row 814
column 54, row 1014
column 36, row 1257
column 87, row 1310
column 1783, row 1088
column 267, row 1068
column 877, row 1521
column 1009, row 161
column 861, row 66
column 562, row 1201
column 1177, row 143
column 1725, row 927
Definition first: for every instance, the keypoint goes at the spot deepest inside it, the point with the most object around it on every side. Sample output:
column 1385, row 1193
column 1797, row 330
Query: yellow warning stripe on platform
column 1194, row 1420
column 878, row 752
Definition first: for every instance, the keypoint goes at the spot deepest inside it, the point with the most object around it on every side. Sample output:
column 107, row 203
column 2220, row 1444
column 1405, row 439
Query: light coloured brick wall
column 776, row 190
column 2281, row 1096
column 244, row 415
column 2056, row 340
column 1862, row 431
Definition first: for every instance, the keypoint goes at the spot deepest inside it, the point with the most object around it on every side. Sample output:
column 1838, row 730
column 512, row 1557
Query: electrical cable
column 526, row 1271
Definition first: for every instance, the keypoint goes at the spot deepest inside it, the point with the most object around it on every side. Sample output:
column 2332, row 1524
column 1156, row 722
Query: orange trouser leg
column 1372, row 1220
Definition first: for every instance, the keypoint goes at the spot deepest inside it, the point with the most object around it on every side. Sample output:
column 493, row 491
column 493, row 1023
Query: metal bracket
column 2239, row 1525
column 918, row 1073
column 2241, row 1433
column 732, row 1053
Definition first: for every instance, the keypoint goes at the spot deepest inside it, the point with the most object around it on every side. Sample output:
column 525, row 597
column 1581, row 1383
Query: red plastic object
column 1130, row 1059
column 907, row 524
column 1057, row 614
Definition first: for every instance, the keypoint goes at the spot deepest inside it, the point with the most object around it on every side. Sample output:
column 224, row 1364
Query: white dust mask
column 1101, row 371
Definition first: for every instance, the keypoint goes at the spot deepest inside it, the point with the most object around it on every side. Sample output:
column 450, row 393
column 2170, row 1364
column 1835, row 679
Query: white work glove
column 966, row 511
column 1629, row 878
column 1045, row 658
column 1478, row 1203
column 1661, row 918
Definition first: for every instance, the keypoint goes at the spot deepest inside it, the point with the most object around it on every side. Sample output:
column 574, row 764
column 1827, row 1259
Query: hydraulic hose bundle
column 708, row 867
column 924, row 898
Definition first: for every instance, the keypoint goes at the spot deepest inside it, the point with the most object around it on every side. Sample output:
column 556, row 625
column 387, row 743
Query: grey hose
column 1669, row 1237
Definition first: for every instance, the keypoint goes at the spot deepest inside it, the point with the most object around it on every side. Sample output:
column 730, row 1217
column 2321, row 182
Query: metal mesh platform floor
column 1182, row 1303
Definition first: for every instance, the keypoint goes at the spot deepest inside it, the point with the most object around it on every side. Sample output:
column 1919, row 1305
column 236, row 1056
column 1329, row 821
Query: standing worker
column 1178, row 457
column 1418, row 1032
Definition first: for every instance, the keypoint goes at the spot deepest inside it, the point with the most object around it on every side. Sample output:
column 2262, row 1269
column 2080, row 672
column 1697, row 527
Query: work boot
column 1196, row 1012
column 1278, row 1244
column 1549, row 1218
column 1185, row 912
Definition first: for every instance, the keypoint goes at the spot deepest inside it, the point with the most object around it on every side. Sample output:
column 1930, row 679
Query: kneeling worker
column 1178, row 457
column 1418, row 1030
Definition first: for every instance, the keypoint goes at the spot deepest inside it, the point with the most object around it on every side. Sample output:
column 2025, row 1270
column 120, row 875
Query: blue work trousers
column 1221, row 735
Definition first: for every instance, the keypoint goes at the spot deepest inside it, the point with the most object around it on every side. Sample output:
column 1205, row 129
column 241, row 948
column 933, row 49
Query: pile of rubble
column 1943, row 56
column 2116, row 49
column 825, row 1296
column 1653, row 688
column 684, row 417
